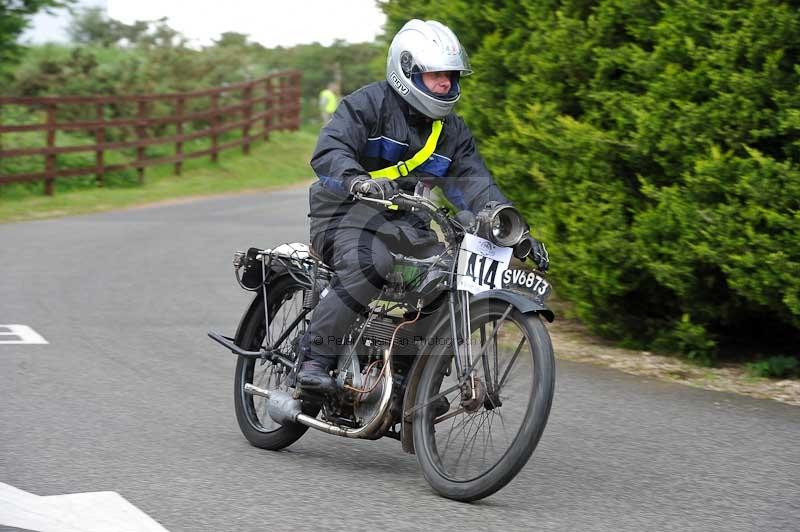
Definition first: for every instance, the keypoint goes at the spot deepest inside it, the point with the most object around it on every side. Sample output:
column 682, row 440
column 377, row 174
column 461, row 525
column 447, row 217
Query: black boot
column 314, row 377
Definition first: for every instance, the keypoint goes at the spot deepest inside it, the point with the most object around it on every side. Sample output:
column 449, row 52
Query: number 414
column 485, row 275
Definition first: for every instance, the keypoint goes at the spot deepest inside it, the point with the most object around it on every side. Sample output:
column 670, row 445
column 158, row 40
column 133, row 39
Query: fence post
column 100, row 139
column 179, row 133
column 284, row 84
column 50, row 158
column 296, row 93
column 248, row 112
column 268, row 107
column 141, row 135
column 214, row 124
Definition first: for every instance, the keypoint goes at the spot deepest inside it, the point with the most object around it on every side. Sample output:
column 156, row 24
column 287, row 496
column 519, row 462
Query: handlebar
column 401, row 200
column 408, row 202
column 449, row 226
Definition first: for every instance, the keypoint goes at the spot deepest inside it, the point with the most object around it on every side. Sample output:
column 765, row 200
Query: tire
column 526, row 393
column 285, row 301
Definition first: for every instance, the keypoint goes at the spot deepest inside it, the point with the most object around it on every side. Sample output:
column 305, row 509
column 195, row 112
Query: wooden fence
column 255, row 108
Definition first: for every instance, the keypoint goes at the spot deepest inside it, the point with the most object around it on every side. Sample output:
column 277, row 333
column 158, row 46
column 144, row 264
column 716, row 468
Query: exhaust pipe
column 283, row 408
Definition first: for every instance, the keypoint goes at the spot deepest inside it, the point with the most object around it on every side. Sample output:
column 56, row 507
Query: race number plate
column 481, row 264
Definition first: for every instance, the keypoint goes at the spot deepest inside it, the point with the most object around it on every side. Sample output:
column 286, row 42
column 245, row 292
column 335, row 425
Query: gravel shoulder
column 571, row 341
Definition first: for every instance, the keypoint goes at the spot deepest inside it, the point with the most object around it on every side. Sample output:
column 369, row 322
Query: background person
column 328, row 100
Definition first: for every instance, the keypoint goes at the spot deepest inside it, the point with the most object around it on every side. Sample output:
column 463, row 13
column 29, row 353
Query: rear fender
column 257, row 304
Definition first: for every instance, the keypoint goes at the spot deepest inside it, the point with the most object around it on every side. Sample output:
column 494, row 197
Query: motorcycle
column 452, row 359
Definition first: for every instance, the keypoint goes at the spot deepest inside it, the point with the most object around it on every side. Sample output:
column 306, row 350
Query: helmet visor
column 452, row 58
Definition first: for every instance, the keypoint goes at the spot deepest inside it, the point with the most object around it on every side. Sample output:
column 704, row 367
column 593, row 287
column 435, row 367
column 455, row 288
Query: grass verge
column 283, row 160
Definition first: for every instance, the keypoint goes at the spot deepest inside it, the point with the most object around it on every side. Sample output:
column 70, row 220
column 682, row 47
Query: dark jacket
column 374, row 128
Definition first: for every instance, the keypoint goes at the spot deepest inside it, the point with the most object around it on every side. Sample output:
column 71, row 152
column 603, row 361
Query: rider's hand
column 538, row 253
column 374, row 188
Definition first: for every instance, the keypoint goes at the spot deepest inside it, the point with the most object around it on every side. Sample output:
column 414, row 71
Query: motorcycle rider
column 394, row 135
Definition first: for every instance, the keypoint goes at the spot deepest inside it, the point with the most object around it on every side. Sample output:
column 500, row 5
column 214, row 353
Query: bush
column 777, row 367
column 689, row 339
column 662, row 141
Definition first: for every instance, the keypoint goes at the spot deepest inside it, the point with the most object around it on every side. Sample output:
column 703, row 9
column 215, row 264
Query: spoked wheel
column 285, row 298
column 473, row 442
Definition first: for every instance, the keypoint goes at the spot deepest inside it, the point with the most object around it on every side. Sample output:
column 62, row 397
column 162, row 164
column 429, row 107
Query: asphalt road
column 131, row 396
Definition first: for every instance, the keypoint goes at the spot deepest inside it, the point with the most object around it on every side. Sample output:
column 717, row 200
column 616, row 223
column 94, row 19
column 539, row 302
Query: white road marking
column 101, row 511
column 20, row 334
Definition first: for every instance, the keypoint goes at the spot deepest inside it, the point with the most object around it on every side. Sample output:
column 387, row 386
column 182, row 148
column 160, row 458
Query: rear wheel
column 474, row 443
column 285, row 299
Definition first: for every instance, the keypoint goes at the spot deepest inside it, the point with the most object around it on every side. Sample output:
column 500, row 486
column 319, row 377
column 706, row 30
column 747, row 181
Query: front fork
column 465, row 360
column 459, row 300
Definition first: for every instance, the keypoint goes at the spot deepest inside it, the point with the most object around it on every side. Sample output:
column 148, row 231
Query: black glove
column 374, row 188
column 534, row 250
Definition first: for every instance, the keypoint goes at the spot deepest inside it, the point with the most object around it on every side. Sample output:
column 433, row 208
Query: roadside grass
column 283, row 160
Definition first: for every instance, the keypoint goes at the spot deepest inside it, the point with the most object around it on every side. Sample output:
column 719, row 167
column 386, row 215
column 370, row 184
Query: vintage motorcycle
column 452, row 359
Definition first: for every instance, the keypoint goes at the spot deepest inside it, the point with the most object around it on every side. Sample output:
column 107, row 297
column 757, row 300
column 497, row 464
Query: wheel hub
column 470, row 402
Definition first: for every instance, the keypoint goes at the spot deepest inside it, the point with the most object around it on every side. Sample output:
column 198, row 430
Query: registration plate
column 527, row 281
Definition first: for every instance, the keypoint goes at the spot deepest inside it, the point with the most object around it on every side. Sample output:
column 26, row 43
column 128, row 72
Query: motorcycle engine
column 364, row 370
column 378, row 335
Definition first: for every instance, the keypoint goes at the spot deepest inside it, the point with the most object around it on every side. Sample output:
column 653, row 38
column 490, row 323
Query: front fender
column 520, row 301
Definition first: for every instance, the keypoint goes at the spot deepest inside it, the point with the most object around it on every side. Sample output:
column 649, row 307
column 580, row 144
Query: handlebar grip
column 523, row 249
column 403, row 203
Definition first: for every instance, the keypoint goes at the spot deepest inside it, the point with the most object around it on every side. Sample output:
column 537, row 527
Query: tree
column 92, row 26
column 162, row 36
column 232, row 39
column 15, row 16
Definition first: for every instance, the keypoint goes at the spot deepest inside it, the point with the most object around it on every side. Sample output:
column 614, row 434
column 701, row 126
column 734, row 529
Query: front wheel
column 474, row 441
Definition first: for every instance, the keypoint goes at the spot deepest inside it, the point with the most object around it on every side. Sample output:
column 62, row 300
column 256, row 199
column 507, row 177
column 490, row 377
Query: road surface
column 129, row 395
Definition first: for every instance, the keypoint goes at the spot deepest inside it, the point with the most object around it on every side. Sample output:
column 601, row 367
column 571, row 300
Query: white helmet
column 426, row 47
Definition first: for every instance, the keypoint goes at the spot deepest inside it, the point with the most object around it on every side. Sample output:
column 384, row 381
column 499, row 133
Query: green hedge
column 655, row 146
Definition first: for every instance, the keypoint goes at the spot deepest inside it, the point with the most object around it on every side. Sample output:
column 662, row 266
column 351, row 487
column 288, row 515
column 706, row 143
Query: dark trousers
column 362, row 262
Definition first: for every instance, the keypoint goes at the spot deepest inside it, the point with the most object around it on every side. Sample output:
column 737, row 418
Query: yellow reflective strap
column 403, row 168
